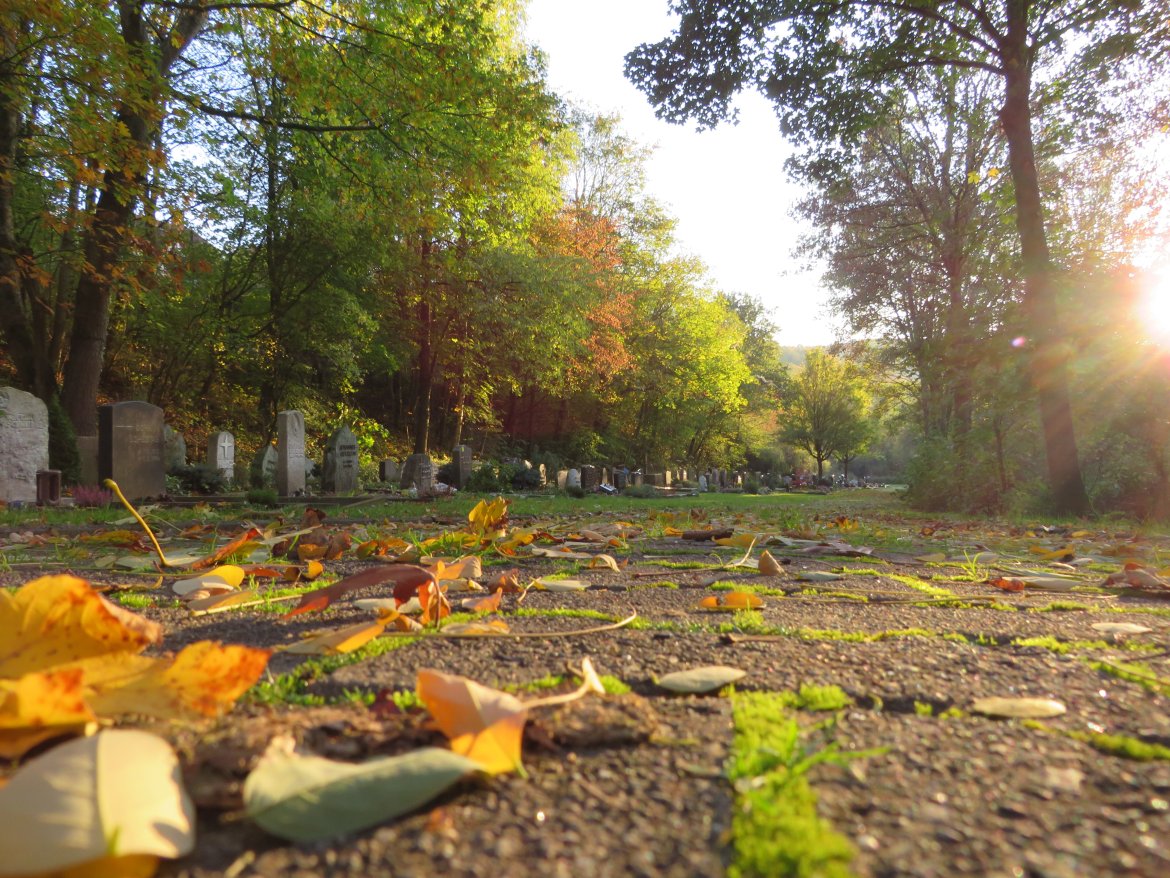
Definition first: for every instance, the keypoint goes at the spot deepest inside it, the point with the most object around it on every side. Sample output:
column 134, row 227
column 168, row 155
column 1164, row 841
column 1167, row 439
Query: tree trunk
column 422, row 406
column 1049, row 356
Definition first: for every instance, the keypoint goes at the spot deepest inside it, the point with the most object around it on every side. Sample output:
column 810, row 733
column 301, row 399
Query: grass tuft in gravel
column 291, row 688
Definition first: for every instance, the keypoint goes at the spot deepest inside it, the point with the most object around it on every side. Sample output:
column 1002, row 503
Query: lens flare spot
column 1019, row 341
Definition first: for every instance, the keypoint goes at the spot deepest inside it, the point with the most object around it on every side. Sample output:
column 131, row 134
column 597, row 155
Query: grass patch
column 1123, row 746
column 1062, row 607
column 775, row 828
column 658, row 583
column 681, row 565
column 564, row 613
column 291, row 688
column 1064, row 647
column 1133, row 672
column 136, row 601
column 817, row 698
column 923, row 586
column 843, row 595
column 766, row 590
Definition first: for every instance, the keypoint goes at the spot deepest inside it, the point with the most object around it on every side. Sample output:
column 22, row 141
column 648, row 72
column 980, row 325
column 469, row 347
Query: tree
column 825, row 410
column 832, row 66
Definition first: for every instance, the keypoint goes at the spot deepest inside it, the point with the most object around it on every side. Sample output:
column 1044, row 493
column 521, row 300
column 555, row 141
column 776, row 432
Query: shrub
column 262, row 497
column 198, row 479
column 92, row 495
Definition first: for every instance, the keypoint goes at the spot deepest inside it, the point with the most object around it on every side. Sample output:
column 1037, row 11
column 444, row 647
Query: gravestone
column 262, row 473
column 130, row 448
column 590, row 478
column 605, row 476
column 221, row 453
column 573, row 480
column 621, row 478
column 418, row 471
column 562, row 479
column 666, row 479
column 24, row 443
column 636, row 478
column 340, row 473
column 542, row 474
column 388, row 470
column 461, row 455
column 702, row 484
column 174, row 448
column 290, row 453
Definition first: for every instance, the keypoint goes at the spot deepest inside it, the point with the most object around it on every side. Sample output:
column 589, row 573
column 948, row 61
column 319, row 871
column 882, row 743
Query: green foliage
column 63, row 454
column 262, row 497
column 198, row 479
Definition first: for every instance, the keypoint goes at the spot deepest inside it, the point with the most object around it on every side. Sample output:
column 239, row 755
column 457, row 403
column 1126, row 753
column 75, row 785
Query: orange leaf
column 731, row 600
column 227, row 549
column 483, row 724
column 433, row 599
column 1007, row 584
column 401, row 574
column 484, row 605
column 311, row 551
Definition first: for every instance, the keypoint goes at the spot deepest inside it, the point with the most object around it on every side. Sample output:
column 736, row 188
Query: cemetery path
column 637, row 782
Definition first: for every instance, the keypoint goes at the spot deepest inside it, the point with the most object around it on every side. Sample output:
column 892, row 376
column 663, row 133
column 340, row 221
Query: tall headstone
column 590, row 478
column 174, row 448
column 462, row 458
column 340, row 474
column 621, row 478
column 221, row 453
column 562, row 479
column 666, row 479
column 388, row 470
column 130, row 448
column 637, row 478
column 542, row 474
column 702, row 484
column 573, row 480
column 24, row 443
column 418, row 471
column 290, row 453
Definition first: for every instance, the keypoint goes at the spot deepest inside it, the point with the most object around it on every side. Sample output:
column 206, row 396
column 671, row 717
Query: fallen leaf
column 484, row 724
column 768, row 565
column 239, row 544
column 308, row 798
column 699, row 680
column 605, row 561
column 1007, row 584
column 477, row 629
column 1018, row 708
column 218, row 602
column 400, row 574
column 731, row 600
column 488, row 604
column 739, row 541
column 341, row 640
column 818, row 576
column 489, row 520
column 559, row 585
column 93, row 802
column 1121, row 628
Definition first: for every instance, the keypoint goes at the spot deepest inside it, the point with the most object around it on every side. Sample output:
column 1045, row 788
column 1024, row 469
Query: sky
column 726, row 187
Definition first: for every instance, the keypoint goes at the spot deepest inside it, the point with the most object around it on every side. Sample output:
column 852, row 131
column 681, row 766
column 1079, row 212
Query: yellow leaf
column 218, row 602
column 740, row 541
column 477, row 629
column 483, row 724
column 40, row 706
column 204, row 679
column 59, row 619
column 731, row 600
column 468, row 567
column 341, row 640
column 605, row 561
column 105, row 805
column 312, row 570
column 671, row 532
column 489, row 520
column 311, row 551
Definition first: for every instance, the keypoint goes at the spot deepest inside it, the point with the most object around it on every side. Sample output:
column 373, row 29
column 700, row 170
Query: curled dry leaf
column 488, row 604
column 483, row 724
column 342, row 640
column 1007, row 584
column 768, row 565
column 606, row 561
column 217, row 603
column 405, row 575
column 114, row 802
column 477, row 629
column 559, row 585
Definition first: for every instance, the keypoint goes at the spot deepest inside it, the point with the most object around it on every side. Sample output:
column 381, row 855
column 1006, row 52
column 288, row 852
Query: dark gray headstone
column 263, row 470
column 221, row 453
column 388, row 471
column 621, row 478
column 340, row 474
column 174, row 448
column 130, row 448
column 24, row 443
column 461, row 455
column 290, row 453
column 590, row 478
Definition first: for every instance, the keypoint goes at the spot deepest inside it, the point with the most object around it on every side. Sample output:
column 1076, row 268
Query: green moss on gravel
column 291, row 688
column 922, row 585
column 775, row 829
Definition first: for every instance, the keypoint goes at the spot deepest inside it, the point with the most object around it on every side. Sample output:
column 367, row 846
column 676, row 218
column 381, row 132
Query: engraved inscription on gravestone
column 24, row 443
column 290, row 453
column 221, row 453
column 340, row 473
column 130, row 448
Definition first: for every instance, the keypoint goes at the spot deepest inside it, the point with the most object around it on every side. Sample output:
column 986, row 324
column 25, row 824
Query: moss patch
column 291, row 688
column 775, row 827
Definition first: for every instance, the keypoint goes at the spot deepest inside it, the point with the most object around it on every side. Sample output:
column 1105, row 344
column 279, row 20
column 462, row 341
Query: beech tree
column 829, row 67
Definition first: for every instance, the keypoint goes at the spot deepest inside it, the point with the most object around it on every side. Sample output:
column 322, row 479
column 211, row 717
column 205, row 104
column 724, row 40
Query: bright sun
column 1154, row 308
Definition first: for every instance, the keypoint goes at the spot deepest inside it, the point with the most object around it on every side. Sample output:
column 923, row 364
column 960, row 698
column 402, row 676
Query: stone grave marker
column 637, row 478
column 562, row 479
column 340, row 474
column 388, row 470
column 461, row 455
column 221, row 453
column 130, row 448
column 174, row 448
column 573, row 480
column 290, row 453
column 702, row 484
column 621, row 478
column 667, row 479
column 418, row 471
column 542, row 474
column 24, row 443
column 590, row 478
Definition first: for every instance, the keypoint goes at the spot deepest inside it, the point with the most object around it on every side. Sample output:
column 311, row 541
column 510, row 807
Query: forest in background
column 379, row 214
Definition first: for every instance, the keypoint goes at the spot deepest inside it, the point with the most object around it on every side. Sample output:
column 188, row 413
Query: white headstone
column 290, row 453
column 221, row 453
column 24, row 443
column 703, row 483
column 573, row 479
